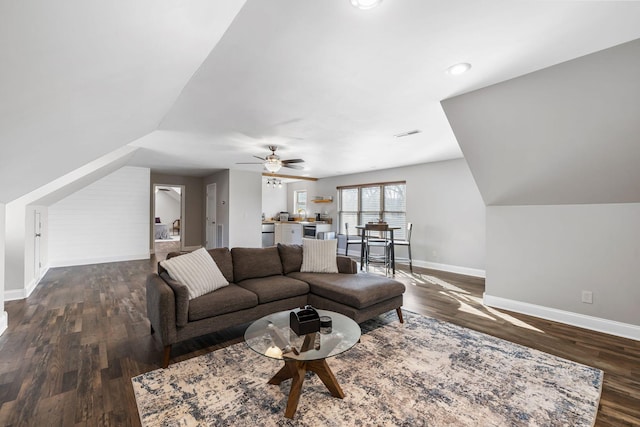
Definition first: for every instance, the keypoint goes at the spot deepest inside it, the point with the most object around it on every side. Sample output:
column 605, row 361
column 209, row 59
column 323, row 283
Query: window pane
column 372, row 203
column 350, row 218
column 300, row 198
column 370, row 217
column 395, row 198
column 397, row 220
column 370, row 199
column 349, row 200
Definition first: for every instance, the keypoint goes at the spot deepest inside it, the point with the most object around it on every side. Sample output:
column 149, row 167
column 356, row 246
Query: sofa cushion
column 274, row 288
column 197, row 271
column 249, row 263
column 225, row 300
column 222, row 257
column 291, row 257
column 319, row 256
column 356, row 290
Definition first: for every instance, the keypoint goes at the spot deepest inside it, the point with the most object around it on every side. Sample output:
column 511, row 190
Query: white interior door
column 211, row 217
column 37, row 234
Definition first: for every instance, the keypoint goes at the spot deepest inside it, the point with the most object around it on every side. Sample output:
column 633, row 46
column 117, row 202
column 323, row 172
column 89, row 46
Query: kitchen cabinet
column 310, row 230
column 289, row 234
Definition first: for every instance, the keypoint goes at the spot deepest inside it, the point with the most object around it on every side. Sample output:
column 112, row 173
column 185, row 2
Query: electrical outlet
column 587, row 297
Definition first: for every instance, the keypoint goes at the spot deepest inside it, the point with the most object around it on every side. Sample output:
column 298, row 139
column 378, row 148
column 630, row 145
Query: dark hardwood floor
column 73, row 345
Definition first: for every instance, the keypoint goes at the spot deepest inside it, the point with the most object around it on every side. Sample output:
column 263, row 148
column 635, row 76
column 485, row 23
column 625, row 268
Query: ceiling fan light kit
column 272, row 182
column 273, row 163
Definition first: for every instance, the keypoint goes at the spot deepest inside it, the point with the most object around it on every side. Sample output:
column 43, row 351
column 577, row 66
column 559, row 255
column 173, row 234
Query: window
column 360, row 204
column 299, row 202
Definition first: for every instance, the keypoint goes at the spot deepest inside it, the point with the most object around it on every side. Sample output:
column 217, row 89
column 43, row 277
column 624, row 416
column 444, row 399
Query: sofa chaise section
column 359, row 296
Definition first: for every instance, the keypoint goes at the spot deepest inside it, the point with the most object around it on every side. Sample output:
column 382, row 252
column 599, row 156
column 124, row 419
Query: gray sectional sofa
column 263, row 281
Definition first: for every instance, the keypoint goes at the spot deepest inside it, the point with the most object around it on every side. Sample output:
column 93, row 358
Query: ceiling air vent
column 411, row 132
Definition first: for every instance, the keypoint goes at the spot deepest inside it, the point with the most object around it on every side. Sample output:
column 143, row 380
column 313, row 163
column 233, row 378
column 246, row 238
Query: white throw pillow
column 197, row 271
column 319, row 256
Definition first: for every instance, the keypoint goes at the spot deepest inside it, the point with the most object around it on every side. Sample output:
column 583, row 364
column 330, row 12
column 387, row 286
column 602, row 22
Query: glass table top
column 272, row 337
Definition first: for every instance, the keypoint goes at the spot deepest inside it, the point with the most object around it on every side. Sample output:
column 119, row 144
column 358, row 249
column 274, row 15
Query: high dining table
column 390, row 230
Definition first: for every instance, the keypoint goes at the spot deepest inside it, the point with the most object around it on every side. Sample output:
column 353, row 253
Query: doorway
column 37, row 234
column 168, row 215
column 214, row 237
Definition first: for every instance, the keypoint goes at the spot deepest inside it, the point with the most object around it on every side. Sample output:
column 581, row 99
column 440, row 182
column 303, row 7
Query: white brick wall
column 104, row 222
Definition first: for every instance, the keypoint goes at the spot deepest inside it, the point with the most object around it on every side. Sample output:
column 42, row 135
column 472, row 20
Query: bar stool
column 405, row 242
column 351, row 240
column 377, row 236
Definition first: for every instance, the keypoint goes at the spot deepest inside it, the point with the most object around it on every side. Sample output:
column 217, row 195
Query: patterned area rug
column 424, row 372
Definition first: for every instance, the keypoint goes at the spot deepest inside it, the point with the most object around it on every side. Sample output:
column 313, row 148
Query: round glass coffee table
column 271, row 336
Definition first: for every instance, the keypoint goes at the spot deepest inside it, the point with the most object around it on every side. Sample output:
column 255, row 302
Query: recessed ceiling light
column 365, row 4
column 457, row 69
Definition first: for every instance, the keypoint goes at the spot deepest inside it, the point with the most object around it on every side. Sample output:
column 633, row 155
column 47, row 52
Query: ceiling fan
column 273, row 163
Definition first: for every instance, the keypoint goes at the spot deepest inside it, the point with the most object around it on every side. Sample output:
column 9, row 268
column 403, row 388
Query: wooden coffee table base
column 297, row 369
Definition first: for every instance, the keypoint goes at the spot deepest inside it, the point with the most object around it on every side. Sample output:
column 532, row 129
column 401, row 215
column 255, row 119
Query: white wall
column 14, row 239
column 245, row 208
column 443, row 203
column 20, row 277
column 19, row 218
column 274, row 200
column 310, row 188
column 3, row 314
column 106, row 221
column 541, row 258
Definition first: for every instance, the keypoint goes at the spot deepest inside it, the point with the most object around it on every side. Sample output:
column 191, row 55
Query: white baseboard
column 17, row 294
column 475, row 272
column 98, row 260
column 14, row 294
column 31, row 286
column 598, row 324
column 467, row 271
column 4, row 322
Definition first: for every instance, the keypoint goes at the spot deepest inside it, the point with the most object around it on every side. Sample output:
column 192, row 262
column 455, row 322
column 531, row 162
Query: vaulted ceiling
column 197, row 86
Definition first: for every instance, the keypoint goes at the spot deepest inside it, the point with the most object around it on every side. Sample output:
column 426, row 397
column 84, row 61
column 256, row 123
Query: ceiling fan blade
column 249, row 163
column 293, row 161
column 292, row 166
column 259, row 158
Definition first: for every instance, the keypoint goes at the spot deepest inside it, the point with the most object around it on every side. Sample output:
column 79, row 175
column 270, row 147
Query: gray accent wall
column 443, row 203
column 567, row 134
column 555, row 154
column 547, row 255
column 3, row 314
